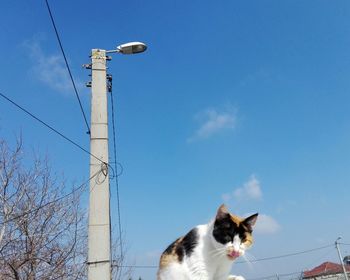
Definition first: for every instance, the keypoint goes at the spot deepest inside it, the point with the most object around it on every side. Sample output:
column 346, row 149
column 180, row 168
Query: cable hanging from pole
column 67, row 65
column 56, row 131
column 81, row 187
column 110, row 89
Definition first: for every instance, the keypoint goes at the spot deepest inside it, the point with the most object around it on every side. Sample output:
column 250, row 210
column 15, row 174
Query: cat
column 208, row 251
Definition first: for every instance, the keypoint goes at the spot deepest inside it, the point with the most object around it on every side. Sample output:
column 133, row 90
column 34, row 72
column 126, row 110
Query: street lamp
column 130, row 48
column 99, row 239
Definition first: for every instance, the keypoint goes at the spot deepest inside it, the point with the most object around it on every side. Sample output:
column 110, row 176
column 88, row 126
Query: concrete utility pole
column 99, row 256
column 99, row 236
column 341, row 258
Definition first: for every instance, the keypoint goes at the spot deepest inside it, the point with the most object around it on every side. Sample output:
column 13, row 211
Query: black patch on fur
column 180, row 252
column 225, row 230
column 183, row 246
column 187, row 244
column 190, row 241
column 170, row 248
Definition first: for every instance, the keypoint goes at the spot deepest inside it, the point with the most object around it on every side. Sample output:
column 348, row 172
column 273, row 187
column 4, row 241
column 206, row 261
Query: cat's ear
column 222, row 212
column 250, row 221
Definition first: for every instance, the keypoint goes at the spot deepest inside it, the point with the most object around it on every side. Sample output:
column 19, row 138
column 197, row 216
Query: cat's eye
column 228, row 238
column 243, row 238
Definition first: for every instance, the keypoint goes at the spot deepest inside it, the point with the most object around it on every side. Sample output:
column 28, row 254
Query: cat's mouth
column 233, row 255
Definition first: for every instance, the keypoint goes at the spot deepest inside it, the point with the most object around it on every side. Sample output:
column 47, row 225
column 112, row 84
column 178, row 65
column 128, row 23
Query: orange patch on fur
column 238, row 221
column 170, row 257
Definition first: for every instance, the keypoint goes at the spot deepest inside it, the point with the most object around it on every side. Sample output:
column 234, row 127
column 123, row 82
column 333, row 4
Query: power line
column 276, row 275
column 52, row 201
column 240, row 262
column 52, row 129
column 67, row 65
column 116, row 175
column 317, row 260
column 287, row 255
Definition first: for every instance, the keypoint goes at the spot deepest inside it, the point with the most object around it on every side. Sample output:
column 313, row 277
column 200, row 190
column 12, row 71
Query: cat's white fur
column 208, row 261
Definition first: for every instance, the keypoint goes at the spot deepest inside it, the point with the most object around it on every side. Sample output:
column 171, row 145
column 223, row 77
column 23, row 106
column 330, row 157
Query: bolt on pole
column 99, row 256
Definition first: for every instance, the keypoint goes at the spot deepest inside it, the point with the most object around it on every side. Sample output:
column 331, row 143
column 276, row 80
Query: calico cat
column 208, row 251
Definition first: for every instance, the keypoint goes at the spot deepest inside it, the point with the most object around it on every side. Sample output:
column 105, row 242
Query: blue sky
column 242, row 102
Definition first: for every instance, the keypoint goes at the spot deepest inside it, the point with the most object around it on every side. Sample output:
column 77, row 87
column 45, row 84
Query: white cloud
column 213, row 122
column 49, row 69
column 266, row 225
column 250, row 190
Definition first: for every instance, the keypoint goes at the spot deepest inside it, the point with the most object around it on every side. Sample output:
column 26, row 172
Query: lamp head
column 131, row 48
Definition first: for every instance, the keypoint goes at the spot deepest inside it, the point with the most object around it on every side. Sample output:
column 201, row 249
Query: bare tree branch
column 42, row 233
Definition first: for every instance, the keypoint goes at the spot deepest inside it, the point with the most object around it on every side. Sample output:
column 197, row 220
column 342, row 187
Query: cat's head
column 232, row 234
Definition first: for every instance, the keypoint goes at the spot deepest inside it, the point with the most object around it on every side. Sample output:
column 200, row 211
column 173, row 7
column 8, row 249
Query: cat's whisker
column 251, row 257
column 248, row 261
column 215, row 254
column 216, row 250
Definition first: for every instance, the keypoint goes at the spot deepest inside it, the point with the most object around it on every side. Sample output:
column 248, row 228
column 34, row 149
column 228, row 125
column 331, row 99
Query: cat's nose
column 234, row 254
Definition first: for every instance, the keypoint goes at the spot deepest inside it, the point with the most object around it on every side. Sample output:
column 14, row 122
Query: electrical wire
column 316, row 261
column 276, row 276
column 115, row 264
column 240, row 262
column 52, row 201
column 116, row 177
column 114, row 173
column 67, row 65
column 287, row 255
column 54, row 130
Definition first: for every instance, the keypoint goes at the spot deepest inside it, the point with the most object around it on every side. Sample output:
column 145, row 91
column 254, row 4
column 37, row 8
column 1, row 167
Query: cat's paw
column 235, row 277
